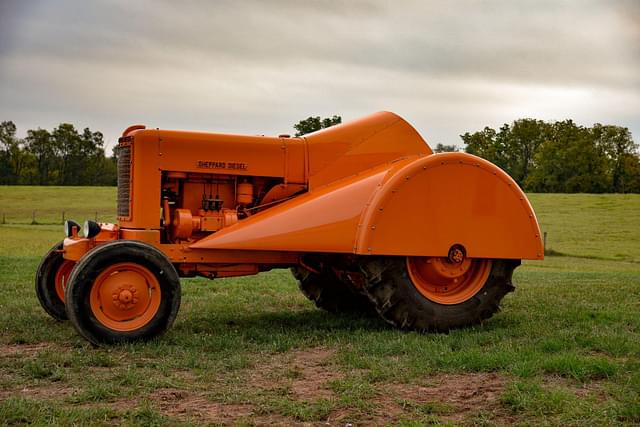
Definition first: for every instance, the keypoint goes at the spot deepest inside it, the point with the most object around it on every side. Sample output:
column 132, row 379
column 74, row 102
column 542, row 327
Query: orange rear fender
column 449, row 199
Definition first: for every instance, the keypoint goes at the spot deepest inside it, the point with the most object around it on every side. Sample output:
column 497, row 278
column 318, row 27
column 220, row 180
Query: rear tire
column 123, row 291
column 329, row 293
column 389, row 285
column 52, row 277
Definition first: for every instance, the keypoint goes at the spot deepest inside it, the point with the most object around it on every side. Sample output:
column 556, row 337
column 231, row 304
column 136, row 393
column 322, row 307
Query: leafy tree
column 10, row 154
column 484, row 144
column 616, row 145
column 521, row 141
column 512, row 148
column 40, row 145
column 65, row 157
column 569, row 162
column 440, row 148
column 312, row 124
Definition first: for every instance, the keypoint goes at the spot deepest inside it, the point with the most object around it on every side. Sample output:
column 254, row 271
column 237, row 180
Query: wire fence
column 49, row 217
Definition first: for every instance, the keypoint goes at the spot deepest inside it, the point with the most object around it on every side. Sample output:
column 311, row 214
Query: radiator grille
column 124, row 180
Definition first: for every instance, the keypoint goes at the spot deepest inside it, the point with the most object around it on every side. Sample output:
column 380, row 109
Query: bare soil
column 306, row 373
column 28, row 350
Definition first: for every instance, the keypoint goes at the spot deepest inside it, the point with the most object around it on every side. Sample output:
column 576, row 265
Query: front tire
column 411, row 296
column 123, row 291
column 52, row 278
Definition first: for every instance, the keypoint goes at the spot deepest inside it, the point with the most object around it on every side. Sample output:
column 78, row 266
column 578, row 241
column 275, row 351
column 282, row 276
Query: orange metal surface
column 151, row 237
column 370, row 187
column 356, row 146
column 154, row 151
column 325, row 220
column 446, row 282
column 62, row 276
column 438, row 201
column 125, row 297
column 75, row 248
column 281, row 191
column 245, row 193
column 417, row 206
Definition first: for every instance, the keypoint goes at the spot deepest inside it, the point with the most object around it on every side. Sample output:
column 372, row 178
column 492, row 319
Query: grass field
column 565, row 349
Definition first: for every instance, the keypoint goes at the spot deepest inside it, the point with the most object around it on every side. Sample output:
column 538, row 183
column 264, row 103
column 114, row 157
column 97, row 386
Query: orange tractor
column 364, row 214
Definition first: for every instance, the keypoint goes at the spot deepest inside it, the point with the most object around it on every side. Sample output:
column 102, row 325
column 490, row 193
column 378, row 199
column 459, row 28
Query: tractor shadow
column 286, row 329
column 269, row 326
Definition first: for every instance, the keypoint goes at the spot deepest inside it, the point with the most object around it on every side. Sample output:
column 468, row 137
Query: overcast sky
column 257, row 67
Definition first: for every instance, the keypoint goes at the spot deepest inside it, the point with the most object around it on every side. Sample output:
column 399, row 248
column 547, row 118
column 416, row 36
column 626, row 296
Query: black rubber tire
column 329, row 293
column 46, row 283
column 397, row 301
column 93, row 263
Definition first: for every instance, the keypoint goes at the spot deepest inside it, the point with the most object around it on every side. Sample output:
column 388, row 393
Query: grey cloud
column 257, row 66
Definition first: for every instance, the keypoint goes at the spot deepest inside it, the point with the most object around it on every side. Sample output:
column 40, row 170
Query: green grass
column 564, row 349
column 18, row 203
column 591, row 225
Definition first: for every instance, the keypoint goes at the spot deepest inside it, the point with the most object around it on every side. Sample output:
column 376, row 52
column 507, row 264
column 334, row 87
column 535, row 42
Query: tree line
column 561, row 157
column 62, row 156
column 554, row 157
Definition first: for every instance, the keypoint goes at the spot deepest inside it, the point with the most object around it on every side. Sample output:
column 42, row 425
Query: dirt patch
column 315, row 374
column 306, row 373
column 183, row 404
column 13, row 350
column 188, row 406
column 447, row 397
column 41, row 391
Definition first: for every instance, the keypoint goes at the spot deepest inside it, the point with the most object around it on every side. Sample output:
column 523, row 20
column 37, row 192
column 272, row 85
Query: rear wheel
column 52, row 277
column 324, row 288
column 436, row 294
column 123, row 291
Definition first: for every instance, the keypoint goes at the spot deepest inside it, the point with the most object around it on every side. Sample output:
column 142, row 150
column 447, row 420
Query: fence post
column 3, row 219
column 63, row 217
column 33, row 218
column 545, row 241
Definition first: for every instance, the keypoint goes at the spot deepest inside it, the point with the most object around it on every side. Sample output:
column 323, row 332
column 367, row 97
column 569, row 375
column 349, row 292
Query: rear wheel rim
column 125, row 297
column 444, row 281
column 62, row 278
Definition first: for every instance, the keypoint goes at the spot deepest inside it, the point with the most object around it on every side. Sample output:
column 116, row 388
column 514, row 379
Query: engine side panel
column 325, row 220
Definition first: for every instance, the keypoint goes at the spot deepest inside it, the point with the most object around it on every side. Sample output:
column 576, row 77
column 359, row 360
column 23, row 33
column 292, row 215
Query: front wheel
column 52, row 277
column 436, row 294
column 123, row 291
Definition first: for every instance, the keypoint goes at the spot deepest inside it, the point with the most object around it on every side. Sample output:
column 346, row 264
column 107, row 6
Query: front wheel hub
column 125, row 297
